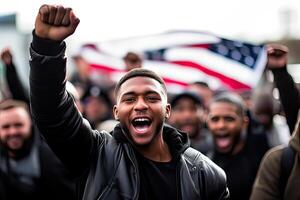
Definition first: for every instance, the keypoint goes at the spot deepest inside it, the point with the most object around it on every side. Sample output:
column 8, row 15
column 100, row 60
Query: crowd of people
column 86, row 139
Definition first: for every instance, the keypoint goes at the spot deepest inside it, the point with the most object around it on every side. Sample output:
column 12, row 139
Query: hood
column 177, row 141
column 295, row 140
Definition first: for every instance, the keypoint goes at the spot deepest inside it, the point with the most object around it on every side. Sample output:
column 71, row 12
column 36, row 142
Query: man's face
column 15, row 128
column 186, row 116
column 96, row 109
column 142, row 109
column 226, row 125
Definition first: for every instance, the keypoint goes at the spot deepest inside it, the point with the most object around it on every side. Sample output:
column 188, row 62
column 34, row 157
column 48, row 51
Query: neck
column 157, row 151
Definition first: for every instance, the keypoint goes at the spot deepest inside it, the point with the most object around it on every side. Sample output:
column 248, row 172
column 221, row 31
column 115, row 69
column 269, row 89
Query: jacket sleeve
column 15, row 85
column 53, row 109
column 289, row 95
column 215, row 181
column 266, row 182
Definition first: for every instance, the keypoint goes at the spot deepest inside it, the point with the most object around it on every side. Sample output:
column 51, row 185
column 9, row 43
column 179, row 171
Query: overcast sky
column 102, row 20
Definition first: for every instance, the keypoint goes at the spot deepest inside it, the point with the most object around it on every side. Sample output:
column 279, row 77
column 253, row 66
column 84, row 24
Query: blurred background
column 253, row 21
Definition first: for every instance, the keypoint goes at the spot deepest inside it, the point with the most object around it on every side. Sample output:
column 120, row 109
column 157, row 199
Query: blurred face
column 186, row 116
column 265, row 115
column 226, row 125
column 202, row 91
column 96, row 109
column 15, row 128
column 142, row 109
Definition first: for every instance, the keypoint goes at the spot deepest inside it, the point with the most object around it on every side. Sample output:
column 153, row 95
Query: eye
column 128, row 99
column 229, row 119
column 152, row 98
column 214, row 119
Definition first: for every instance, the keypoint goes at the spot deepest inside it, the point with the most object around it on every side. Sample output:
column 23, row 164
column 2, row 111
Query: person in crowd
column 132, row 61
column 143, row 158
column 15, row 85
column 28, row 168
column 235, row 151
column 269, row 183
column 274, row 125
column 97, row 105
column 187, row 108
column 202, row 89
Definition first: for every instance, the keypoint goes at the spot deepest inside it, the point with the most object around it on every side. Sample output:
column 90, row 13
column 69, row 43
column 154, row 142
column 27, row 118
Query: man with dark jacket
column 28, row 168
column 238, row 149
column 269, row 181
column 143, row 158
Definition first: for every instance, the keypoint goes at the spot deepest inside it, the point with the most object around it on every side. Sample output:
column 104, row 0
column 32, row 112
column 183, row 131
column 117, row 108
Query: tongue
column 141, row 128
column 223, row 142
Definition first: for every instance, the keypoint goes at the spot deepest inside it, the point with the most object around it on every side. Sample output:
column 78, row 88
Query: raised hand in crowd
column 55, row 22
column 6, row 56
column 277, row 56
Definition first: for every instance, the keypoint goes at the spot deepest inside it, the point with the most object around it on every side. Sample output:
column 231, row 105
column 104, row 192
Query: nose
column 141, row 104
column 221, row 124
column 12, row 130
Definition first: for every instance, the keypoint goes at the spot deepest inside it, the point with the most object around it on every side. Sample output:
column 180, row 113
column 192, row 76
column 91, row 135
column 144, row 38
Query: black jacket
column 53, row 181
column 105, row 163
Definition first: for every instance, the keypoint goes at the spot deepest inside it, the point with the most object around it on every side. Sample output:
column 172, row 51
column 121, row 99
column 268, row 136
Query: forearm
column 53, row 109
column 15, row 85
column 289, row 95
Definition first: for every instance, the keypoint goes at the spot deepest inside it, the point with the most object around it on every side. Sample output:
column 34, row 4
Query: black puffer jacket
column 106, row 163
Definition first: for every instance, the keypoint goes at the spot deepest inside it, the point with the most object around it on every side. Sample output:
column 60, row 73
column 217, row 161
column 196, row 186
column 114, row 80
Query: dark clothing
column 289, row 95
column 105, row 163
column 36, row 175
column 242, row 167
column 267, row 183
column 15, row 85
column 158, row 179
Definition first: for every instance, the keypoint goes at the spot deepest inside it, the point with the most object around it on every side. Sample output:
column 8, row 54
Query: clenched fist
column 55, row 22
column 277, row 56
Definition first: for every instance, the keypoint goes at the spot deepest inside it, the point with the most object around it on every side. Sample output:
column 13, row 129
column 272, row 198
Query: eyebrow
column 134, row 93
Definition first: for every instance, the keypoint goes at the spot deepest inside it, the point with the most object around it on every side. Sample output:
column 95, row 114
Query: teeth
column 141, row 120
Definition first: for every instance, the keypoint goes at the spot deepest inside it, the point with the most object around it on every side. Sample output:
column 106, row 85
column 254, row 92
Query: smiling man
column 237, row 151
column 143, row 158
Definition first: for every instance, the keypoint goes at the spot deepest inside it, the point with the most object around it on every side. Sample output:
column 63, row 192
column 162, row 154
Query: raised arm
column 289, row 94
column 53, row 108
column 15, row 85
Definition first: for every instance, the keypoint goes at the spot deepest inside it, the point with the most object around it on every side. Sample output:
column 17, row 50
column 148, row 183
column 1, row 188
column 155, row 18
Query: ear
column 245, row 121
column 115, row 111
column 168, row 111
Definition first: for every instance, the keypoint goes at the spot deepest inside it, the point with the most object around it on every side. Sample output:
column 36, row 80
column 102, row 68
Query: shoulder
column 211, row 176
column 198, row 159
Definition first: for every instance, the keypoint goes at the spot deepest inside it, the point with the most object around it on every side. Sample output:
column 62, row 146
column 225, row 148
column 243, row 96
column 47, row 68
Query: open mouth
column 141, row 125
column 223, row 141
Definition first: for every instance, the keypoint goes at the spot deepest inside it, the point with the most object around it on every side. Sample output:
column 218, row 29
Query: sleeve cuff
column 46, row 46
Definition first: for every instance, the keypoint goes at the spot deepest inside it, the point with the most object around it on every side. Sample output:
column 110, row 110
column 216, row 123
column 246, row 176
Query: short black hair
column 231, row 98
column 140, row 72
column 189, row 95
column 201, row 83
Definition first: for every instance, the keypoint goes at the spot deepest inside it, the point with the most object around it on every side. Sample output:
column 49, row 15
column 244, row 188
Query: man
column 132, row 61
column 269, row 183
column 143, row 158
column 235, row 151
column 28, row 168
column 275, row 126
column 187, row 108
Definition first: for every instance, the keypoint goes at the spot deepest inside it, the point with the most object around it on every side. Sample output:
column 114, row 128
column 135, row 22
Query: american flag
column 183, row 57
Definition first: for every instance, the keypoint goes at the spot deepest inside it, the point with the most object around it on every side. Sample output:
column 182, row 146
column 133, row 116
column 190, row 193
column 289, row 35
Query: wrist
column 46, row 46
